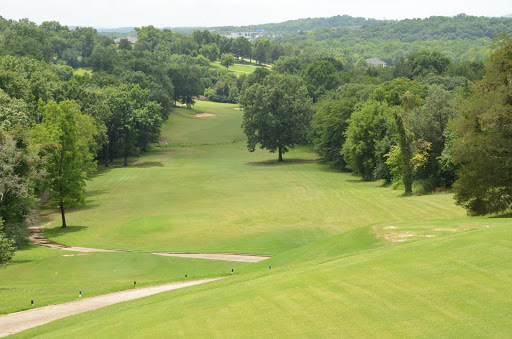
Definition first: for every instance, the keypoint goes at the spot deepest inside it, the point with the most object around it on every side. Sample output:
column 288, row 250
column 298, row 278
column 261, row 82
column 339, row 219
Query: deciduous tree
column 483, row 147
column 277, row 113
column 66, row 141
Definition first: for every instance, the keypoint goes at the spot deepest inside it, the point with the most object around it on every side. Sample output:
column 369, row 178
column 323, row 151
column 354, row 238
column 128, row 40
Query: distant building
column 248, row 35
column 131, row 39
column 376, row 62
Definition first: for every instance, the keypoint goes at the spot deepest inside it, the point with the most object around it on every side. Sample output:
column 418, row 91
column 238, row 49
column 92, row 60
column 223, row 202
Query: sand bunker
column 204, row 115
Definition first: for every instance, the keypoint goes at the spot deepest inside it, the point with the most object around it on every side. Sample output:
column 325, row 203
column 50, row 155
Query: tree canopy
column 277, row 113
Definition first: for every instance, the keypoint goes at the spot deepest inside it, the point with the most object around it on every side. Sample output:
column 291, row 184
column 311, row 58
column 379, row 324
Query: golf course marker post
column 80, row 294
column 32, row 302
column 134, row 283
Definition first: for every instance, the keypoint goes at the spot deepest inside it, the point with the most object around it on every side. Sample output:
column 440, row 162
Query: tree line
column 424, row 125
column 418, row 125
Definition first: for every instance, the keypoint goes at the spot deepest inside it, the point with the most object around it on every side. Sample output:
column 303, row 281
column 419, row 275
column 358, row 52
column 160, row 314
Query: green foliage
column 133, row 121
column 13, row 112
column 393, row 91
column 483, row 143
column 321, row 76
column 7, row 248
column 430, row 123
column 124, row 44
column 330, row 123
column 368, row 139
column 19, row 174
column 24, row 38
column 460, row 38
column 421, row 64
column 277, row 113
column 227, row 60
column 66, row 143
column 210, row 51
column 241, row 47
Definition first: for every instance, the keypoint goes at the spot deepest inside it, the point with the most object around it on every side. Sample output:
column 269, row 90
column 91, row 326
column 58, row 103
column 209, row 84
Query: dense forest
column 292, row 26
column 72, row 99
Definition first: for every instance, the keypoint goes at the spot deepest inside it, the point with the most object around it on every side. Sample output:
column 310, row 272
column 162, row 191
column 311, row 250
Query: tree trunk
column 408, row 177
column 280, row 154
column 62, row 213
column 61, row 193
column 125, row 149
column 106, row 153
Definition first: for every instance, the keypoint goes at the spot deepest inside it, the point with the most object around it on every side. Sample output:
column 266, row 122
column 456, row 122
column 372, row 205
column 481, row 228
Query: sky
column 194, row 13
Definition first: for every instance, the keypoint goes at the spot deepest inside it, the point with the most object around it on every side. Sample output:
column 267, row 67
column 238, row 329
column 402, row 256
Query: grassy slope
column 51, row 276
column 331, row 274
column 451, row 286
column 212, row 195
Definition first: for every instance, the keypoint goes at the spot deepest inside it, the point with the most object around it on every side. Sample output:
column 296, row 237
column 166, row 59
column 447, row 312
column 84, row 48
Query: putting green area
column 349, row 258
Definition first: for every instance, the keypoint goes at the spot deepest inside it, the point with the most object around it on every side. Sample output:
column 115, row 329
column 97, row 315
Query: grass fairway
column 452, row 286
column 238, row 68
column 350, row 258
column 205, row 193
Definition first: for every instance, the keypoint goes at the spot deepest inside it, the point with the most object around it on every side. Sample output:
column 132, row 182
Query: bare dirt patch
column 204, row 115
column 73, row 255
column 389, row 227
column 239, row 108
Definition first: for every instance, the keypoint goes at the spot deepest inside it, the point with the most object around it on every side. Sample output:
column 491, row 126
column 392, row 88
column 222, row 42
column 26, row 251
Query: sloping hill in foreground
column 454, row 285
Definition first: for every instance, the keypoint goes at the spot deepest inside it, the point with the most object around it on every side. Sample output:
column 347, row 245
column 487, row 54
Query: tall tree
column 277, row 113
column 368, row 139
column 18, row 175
column 483, row 147
column 66, row 140
column 227, row 60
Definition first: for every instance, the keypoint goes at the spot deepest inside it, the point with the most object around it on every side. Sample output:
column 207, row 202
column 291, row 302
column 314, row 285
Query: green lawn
column 50, row 276
column 457, row 285
column 238, row 68
column 350, row 258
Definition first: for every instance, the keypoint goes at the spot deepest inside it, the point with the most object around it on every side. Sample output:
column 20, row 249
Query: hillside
column 462, row 38
column 350, row 258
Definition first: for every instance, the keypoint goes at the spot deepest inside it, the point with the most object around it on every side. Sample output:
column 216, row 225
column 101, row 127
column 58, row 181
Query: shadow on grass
column 147, row 164
column 282, row 163
column 504, row 215
column 56, row 231
column 19, row 262
column 93, row 193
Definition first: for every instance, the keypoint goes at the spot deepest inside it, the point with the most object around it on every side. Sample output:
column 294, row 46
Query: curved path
column 20, row 321
column 36, row 237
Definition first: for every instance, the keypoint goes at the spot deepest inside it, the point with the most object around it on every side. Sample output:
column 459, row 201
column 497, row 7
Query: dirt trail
column 36, row 237
column 20, row 321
